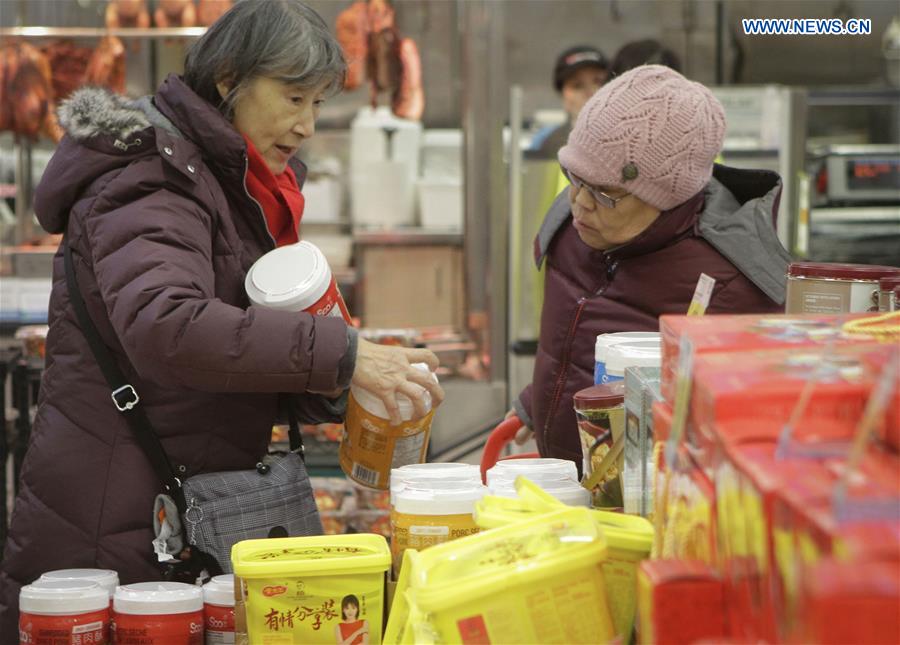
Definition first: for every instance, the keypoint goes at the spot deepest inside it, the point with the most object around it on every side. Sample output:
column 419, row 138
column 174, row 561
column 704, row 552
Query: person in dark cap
column 643, row 52
column 579, row 72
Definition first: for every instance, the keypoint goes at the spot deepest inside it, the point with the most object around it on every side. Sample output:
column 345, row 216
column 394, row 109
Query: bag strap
column 124, row 396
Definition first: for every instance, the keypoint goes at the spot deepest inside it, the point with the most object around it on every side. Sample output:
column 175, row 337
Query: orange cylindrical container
column 371, row 446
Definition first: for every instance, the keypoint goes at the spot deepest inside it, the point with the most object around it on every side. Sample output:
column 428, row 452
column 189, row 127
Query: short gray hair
column 280, row 39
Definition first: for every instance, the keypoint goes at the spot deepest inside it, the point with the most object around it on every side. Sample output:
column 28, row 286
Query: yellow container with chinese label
column 371, row 446
column 536, row 581
column 425, row 516
column 628, row 539
column 322, row 589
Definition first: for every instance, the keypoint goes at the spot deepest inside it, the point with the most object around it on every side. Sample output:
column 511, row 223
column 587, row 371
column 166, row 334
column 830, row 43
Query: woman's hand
column 524, row 434
column 387, row 371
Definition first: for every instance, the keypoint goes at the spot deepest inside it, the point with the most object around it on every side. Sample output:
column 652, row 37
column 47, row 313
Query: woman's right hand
column 524, row 434
column 386, row 371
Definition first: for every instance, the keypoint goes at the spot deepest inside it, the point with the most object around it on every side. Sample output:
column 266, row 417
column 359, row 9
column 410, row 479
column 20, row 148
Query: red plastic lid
column 889, row 284
column 841, row 271
column 600, row 396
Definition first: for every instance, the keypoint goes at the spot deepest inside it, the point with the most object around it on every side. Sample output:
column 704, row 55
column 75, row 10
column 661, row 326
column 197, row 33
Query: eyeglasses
column 599, row 196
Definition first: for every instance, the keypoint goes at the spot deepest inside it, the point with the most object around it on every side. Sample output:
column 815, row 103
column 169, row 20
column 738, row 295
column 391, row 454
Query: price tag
column 702, row 294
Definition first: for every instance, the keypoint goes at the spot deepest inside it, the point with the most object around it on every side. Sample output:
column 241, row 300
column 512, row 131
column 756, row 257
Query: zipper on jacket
column 564, row 366
column 262, row 213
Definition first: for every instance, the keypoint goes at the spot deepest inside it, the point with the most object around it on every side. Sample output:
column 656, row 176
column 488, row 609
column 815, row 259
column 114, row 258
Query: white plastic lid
column 289, row 278
column 373, row 404
column 432, row 476
column 157, row 598
column 632, row 354
column 51, row 597
column 534, row 469
column 450, row 501
column 220, row 591
column 106, row 578
column 605, row 341
column 566, row 491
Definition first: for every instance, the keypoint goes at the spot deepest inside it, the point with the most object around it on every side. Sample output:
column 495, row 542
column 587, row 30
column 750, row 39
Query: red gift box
column 679, row 601
column 728, row 333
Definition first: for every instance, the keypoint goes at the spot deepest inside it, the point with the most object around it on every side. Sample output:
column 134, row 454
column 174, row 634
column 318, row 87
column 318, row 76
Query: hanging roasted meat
column 175, row 13
column 127, row 13
column 208, row 11
column 68, row 63
column 107, row 65
column 26, row 92
column 372, row 43
column 352, row 29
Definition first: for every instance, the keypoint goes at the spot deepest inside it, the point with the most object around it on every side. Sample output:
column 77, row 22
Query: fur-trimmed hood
column 92, row 111
column 104, row 132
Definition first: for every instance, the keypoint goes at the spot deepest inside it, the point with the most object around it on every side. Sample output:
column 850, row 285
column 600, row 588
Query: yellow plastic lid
column 631, row 532
column 316, row 555
column 491, row 512
column 489, row 563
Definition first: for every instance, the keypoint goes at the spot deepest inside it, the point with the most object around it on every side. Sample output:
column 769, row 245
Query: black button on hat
column 629, row 171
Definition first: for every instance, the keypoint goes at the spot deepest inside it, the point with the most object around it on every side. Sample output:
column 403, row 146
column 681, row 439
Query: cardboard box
column 807, row 526
column 641, row 392
column 708, row 334
column 679, row 601
column 767, row 384
column 850, row 602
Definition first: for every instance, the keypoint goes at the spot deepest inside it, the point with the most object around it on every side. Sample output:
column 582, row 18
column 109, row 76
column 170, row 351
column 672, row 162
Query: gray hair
column 280, row 39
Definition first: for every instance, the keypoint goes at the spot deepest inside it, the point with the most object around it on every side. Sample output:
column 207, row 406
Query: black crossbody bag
column 197, row 520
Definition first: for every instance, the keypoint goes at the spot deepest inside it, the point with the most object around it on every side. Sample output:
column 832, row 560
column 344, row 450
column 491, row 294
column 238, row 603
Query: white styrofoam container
column 440, row 203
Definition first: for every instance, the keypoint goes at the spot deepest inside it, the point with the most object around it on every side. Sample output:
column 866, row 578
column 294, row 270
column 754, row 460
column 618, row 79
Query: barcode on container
column 365, row 475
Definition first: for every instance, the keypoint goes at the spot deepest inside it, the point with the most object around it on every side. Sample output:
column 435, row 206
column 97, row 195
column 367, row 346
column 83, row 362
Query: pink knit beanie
column 650, row 132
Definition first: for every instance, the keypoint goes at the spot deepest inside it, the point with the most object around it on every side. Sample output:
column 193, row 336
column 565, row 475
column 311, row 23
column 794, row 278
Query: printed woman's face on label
column 351, row 611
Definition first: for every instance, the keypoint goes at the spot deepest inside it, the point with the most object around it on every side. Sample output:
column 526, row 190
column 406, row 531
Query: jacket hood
column 735, row 213
column 104, row 131
column 739, row 221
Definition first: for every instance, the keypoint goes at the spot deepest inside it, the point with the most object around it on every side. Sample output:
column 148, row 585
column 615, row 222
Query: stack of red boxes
column 773, row 519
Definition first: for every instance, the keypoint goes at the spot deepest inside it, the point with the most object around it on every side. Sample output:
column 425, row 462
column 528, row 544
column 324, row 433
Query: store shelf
column 407, row 237
column 99, row 32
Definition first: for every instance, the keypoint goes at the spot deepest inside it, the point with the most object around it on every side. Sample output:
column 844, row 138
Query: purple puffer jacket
column 152, row 199
column 726, row 231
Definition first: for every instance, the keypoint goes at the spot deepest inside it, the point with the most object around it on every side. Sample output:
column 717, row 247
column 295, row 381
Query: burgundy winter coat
column 726, row 231
column 152, row 199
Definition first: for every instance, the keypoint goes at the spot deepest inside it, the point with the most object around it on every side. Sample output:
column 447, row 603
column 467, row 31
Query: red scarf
column 279, row 195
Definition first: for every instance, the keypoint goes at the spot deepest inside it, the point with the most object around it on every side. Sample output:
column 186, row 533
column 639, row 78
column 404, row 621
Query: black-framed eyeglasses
column 599, row 196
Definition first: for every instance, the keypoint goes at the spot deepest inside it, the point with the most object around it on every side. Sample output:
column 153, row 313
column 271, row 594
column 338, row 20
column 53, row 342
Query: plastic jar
column 432, row 513
column 435, row 473
column 541, row 467
column 106, row 578
column 887, row 287
column 631, row 354
column 566, row 491
column 605, row 341
column 822, row 287
column 559, row 477
column 158, row 613
column 218, row 610
column 295, row 277
column 63, row 611
column 600, row 410
column 371, row 446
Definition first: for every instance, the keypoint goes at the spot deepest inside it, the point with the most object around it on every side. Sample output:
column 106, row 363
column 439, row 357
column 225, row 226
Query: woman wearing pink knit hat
column 647, row 211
